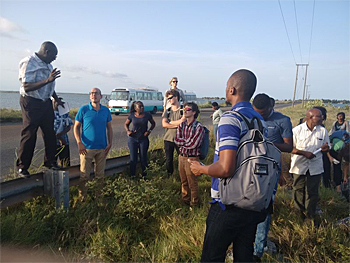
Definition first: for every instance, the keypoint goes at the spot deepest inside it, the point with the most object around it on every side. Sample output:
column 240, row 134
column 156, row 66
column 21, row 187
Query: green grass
column 144, row 221
column 10, row 115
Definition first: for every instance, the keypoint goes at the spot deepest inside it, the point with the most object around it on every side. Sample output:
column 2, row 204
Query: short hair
column 174, row 93
column 262, row 101
column 245, row 81
column 323, row 111
column 171, row 80
column 341, row 113
column 215, row 104
column 194, row 107
column 133, row 104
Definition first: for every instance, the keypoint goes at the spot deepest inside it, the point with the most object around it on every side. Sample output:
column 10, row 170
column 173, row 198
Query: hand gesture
column 147, row 133
column 81, row 148
column 325, row 147
column 54, row 75
column 309, row 155
column 195, row 167
column 129, row 133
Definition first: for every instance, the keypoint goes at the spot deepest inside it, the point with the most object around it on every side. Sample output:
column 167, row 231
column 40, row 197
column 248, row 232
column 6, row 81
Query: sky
column 110, row 44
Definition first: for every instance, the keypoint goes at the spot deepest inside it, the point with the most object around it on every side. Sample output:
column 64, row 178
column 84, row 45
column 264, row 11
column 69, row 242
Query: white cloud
column 6, row 26
column 91, row 71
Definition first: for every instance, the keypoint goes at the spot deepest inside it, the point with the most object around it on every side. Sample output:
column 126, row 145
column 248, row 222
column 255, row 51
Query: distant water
column 10, row 100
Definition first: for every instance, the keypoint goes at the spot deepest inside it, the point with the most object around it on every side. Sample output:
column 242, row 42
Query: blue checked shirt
column 32, row 69
column 61, row 122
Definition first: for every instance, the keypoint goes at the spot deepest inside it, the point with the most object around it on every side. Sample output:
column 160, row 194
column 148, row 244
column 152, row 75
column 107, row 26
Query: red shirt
column 189, row 139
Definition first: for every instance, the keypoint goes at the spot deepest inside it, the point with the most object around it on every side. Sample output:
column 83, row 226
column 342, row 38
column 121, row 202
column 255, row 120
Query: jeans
column 169, row 155
column 226, row 226
column 261, row 236
column 138, row 146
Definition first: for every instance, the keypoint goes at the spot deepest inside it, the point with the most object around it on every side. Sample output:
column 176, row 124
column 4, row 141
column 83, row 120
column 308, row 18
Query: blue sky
column 109, row 44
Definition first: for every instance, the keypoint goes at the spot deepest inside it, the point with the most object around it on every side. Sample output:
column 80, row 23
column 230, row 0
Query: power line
column 290, row 45
column 296, row 21
column 312, row 26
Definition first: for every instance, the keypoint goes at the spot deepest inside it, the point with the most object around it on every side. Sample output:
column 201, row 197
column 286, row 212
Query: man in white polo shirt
column 306, row 162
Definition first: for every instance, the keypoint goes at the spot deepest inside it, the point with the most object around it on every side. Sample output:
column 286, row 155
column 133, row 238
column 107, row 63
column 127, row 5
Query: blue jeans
column 138, row 146
column 261, row 236
column 233, row 225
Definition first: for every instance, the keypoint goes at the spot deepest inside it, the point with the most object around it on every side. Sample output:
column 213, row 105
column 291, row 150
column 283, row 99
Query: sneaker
column 23, row 173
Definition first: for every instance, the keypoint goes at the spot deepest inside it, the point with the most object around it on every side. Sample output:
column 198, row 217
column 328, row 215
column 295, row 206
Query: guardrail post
column 56, row 184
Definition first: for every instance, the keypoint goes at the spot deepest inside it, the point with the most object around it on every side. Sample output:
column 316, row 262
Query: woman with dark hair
column 138, row 137
column 340, row 124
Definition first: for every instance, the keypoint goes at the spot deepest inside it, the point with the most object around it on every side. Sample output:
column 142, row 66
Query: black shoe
column 53, row 166
column 23, row 173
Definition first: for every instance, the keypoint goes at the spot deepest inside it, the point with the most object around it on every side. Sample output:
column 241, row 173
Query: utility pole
column 296, row 81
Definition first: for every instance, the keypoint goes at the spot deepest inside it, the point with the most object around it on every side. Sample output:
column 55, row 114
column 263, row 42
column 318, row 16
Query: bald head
column 244, row 81
column 313, row 118
column 48, row 52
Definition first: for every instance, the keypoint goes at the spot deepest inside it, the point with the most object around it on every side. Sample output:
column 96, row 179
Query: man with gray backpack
column 240, row 193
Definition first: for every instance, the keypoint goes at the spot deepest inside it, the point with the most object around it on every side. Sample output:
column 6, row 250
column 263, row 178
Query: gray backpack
column 258, row 164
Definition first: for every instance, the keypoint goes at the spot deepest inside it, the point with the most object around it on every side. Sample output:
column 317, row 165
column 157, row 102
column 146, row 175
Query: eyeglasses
column 188, row 109
column 94, row 93
column 170, row 97
column 175, row 81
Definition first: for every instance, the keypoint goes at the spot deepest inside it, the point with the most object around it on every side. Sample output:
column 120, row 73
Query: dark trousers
column 36, row 113
column 138, row 146
column 63, row 153
column 305, row 193
column 169, row 155
column 234, row 225
column 326, row 176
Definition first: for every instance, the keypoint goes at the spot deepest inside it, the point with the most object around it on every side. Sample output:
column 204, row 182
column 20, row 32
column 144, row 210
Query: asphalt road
column 10, row 137
column 11, row 134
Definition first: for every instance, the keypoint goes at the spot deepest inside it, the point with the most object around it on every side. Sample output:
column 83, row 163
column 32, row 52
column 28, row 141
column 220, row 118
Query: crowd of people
column 312, row 148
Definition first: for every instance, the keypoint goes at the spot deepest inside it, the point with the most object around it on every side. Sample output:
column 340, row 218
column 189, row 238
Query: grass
column 144, row 221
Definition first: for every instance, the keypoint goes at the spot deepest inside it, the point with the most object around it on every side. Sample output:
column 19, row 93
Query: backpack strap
column 250, row 124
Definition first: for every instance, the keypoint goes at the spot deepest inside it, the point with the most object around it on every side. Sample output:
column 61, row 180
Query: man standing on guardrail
column 37, row 78
column 173, row 86
column 94, row 119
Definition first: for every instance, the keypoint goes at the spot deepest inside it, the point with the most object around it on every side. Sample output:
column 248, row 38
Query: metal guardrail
column 18, row 190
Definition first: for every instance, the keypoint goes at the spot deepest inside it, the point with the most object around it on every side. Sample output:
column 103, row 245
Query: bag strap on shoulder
column 250, row 124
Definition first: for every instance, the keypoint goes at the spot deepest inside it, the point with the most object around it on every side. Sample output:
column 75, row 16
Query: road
column 10, row 137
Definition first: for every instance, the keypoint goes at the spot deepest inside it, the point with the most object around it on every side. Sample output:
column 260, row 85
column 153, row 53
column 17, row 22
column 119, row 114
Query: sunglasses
column 175, row 81
column 188, row 109
column 170, row 97
column 94, row 93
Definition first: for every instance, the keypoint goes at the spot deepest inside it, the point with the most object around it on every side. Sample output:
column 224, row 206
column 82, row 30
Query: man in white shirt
column 37, row 77
column 306, row 162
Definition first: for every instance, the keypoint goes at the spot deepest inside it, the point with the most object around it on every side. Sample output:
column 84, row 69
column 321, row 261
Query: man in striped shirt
column 228, row 224
column 188, row 138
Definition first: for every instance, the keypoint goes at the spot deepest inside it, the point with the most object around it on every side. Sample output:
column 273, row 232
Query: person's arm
column 81, row 146
column 60, row 134
column 153, row 124
column 57, row 99
column 172, row 124
column 109, row 137
column 126, row 127
column 286, row 146
column 179, row 140
column 306, row 154
column 31, row 86
column 223, row 168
